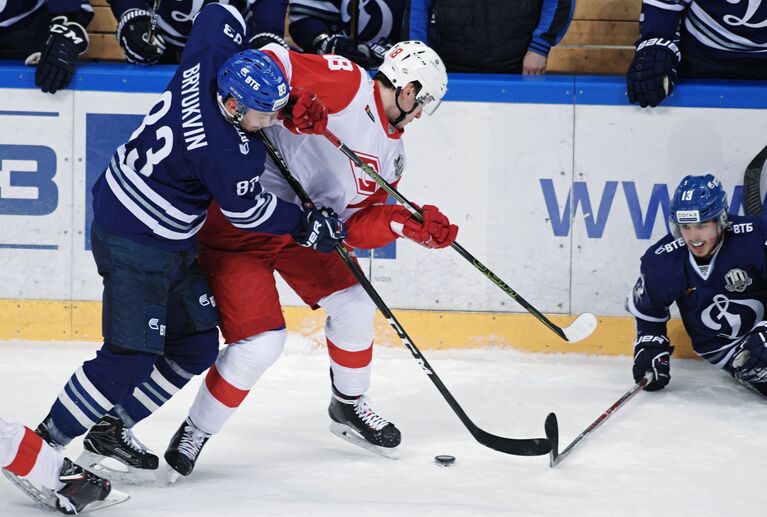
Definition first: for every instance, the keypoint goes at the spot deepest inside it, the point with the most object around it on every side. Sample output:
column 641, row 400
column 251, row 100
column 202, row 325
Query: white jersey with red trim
column 356, row 117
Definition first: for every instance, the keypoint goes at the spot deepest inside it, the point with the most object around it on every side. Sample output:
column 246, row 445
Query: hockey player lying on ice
column 714, row 266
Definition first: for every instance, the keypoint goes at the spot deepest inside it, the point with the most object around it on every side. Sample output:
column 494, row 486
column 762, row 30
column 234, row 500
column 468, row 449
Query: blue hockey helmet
column 698, row 199
column 254, row 80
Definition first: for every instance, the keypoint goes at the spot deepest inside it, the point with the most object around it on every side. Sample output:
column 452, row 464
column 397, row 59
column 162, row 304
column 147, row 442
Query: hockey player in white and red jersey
column 370, row 116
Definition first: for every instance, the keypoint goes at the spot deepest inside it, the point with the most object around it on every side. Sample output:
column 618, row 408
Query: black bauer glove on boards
column 652, row 73
column 58, row 55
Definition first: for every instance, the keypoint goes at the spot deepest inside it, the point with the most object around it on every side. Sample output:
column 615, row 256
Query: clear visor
column 427, row 100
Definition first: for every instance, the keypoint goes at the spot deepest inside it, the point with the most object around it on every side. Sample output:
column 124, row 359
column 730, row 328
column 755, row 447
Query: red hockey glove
column 305, row 113
column 434, row 232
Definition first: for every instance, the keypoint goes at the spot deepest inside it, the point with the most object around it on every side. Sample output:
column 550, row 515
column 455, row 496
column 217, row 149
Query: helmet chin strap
column 239, row 112
column 402, row 113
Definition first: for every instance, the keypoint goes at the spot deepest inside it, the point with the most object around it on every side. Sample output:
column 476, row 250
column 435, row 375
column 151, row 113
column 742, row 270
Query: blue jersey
column 159, row 184
column 376, row 19
column 174, row 18
column 730, row 29
column 13, row 11
column 717, row 306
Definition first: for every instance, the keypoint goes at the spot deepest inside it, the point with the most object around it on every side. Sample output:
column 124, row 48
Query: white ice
column 698, row 448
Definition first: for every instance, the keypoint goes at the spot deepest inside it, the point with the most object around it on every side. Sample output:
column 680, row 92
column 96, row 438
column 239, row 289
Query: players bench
column 600, row 39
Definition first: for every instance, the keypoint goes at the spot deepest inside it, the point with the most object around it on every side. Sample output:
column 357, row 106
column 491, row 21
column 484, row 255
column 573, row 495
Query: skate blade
column 350, row 435
column 41, row 496
column 118, row 472
column 115, row 497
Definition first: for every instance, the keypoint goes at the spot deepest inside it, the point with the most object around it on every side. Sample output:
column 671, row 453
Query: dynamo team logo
column 739, row 315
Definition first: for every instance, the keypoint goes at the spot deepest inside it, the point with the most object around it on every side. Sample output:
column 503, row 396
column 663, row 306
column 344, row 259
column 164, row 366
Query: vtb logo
column 26, row 180
column 365, row 184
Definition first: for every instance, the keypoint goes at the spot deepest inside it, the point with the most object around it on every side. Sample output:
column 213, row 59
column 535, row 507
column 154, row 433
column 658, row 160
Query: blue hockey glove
column 652, row 73
column 133, row 36
column 320, row 229
column 58, row 56
column 652, row 353
column 750, row 362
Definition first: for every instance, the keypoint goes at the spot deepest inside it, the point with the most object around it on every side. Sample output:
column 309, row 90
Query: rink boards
column 557, row 185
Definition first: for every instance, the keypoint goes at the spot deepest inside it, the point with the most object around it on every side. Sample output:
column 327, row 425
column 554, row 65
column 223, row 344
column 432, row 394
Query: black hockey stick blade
column 515, row 446
column 552, row 435
column 752, row 179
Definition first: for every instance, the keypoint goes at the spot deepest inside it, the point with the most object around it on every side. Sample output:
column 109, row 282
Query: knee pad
column 244, row 362
column 349, row 324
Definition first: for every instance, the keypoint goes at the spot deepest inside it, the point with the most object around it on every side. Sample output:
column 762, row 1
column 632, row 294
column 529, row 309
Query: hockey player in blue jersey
column 170, row 22
column 159, row 319
column 49, row 34
column 696, row 38
column 714, row 267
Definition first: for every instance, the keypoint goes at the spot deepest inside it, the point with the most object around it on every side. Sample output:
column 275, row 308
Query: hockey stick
column 579, row 329
column 752, row 179
column 552, row 429
column 153, row 22
column 518, row 447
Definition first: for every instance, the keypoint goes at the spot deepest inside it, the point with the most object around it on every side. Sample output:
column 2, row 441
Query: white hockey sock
column 228, row 382
column 24, row 453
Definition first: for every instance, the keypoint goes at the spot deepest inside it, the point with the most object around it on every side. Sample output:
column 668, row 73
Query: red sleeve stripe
column 228, row 395
column 350, row 359
column 26, row 456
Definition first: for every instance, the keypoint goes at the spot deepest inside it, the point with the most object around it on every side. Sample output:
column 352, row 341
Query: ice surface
column 696, row 448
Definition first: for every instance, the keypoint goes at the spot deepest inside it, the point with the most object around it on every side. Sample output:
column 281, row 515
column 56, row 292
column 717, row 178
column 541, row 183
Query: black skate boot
column 109, row 438
column 81, row 489
column 185, row 447
column 354, row 421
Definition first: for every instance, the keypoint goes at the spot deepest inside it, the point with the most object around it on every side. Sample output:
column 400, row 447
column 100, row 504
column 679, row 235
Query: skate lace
column 192, row 441
column 131, row 441
column 368, row 416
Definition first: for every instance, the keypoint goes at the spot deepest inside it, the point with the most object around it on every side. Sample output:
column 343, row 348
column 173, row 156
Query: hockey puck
column 444, row 460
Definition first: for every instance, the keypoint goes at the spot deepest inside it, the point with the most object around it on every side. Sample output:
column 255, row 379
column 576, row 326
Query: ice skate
column 184, row 449
column 82, row 491
column 355, row 422
column 111, row 451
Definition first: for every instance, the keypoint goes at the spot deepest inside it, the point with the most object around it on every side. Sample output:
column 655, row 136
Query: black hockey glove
column 750, row 362
column 652, row 353
column 133, row 36
column 360, row 53
column 652, row 73
column 58, row 56
column 264, row 38
column 320, row 229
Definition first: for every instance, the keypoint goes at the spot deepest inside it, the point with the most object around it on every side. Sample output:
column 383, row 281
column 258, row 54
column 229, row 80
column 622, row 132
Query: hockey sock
column 349, row 333
column 228, row 382
column 94, row 388
column 184, row 358
column 25, row 454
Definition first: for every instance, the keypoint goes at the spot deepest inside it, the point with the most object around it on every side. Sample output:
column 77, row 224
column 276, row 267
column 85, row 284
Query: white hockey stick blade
column 583, row 326
column 118, row 472
column 351, row 436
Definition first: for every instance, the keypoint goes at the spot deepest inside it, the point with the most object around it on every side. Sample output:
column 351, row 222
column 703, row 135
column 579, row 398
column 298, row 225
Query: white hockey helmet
column 410, row 61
